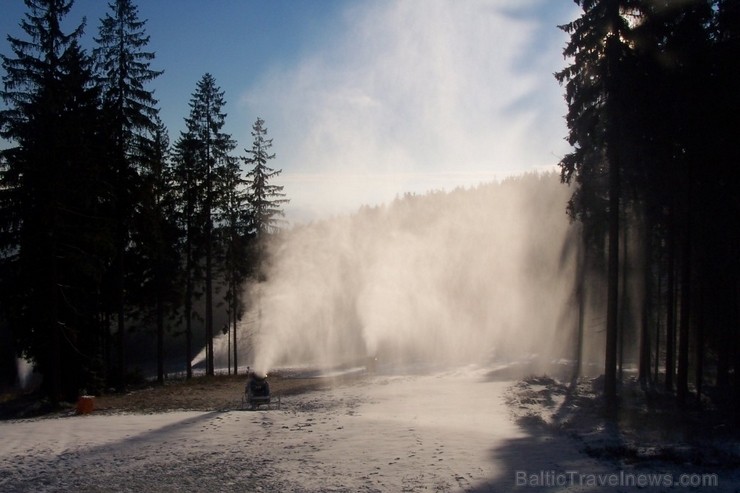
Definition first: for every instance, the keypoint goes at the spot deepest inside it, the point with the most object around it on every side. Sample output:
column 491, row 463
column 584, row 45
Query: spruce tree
column 208, row 148
column 54, row 232
column 265, row 198
column 265, row 201
column 124, row 69
column 186, row 189
column 233, row 231
column 156, row 292
column 123, row 66
column 596, row 98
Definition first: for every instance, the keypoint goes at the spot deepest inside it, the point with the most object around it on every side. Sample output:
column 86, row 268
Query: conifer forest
column 111, row 231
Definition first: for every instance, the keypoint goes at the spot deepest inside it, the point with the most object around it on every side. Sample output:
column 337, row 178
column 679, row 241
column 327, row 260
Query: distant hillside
column 467, row 275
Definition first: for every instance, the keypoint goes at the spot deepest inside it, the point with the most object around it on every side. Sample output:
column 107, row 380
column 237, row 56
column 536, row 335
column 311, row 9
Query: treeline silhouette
column 107, row 230
column 653, row 105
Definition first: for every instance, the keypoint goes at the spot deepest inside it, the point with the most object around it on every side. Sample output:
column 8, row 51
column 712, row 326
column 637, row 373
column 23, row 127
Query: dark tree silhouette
column 209, row 148
column 233, row 231
column 652, row 106
column 124, row 70
column 265, row 198
column 156, row 290
column 187, row 190
column 595, row 95
column 54, row 230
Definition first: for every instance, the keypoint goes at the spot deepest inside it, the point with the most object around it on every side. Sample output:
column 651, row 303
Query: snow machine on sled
column 257, row 391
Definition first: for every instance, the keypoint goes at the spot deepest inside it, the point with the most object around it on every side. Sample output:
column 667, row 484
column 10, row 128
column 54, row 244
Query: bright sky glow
column 365, row 100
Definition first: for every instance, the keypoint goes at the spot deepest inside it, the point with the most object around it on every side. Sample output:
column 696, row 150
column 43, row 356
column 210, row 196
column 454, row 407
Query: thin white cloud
column 420, row 88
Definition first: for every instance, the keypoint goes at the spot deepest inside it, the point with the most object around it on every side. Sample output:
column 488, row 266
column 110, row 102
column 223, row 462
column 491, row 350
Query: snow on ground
column 450, row 431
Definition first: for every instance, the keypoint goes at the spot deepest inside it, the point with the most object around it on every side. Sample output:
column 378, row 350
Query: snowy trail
column 450, row 432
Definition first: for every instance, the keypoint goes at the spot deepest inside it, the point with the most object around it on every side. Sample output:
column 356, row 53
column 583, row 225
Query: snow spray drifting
column 470, row 276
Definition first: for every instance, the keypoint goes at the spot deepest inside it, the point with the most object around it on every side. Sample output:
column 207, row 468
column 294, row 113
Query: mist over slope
column 474, row 275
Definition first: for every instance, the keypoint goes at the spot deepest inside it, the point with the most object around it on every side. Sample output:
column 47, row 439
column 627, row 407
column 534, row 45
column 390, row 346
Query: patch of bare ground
column 202, row 393
column 648, row 426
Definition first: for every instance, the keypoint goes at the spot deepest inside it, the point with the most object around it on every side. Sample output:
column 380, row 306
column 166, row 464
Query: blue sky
column 365, row 99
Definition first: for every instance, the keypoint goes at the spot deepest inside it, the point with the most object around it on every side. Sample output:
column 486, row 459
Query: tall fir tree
column 54, row 233
column 124, row 69
column 187, row 192
column 156, row 290
column 123, row 66
column 595, row 92
column 234, row 237
column 208, row 147
column 265, row 198
column 265, row 201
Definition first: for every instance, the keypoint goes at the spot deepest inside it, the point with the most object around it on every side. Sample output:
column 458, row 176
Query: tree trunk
column 736, row 351
column 580, row 300
column 670, row 343
column 55, row 392
column 189, row 303
column 682, row 375
column 208, row 239
column 723, row 359
column 622, row 314
column 209, row 297
column 699, row 350
column 121, row 217
column 120, row 317
column 657, row 324
column 107, row 345
column 610, row 358
column 55, row 356
column 235, row 302
column 160, row 331
column 644, row 370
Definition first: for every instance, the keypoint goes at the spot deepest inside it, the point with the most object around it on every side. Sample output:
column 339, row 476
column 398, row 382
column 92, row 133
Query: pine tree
column 233, row 231
column 265, row 201
column 208, row 148
column 8, row 241
column 595, row 92
column 54, row 231
column 265, row 198
column 124, row 70
column 186, row 189
column 156, row 240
